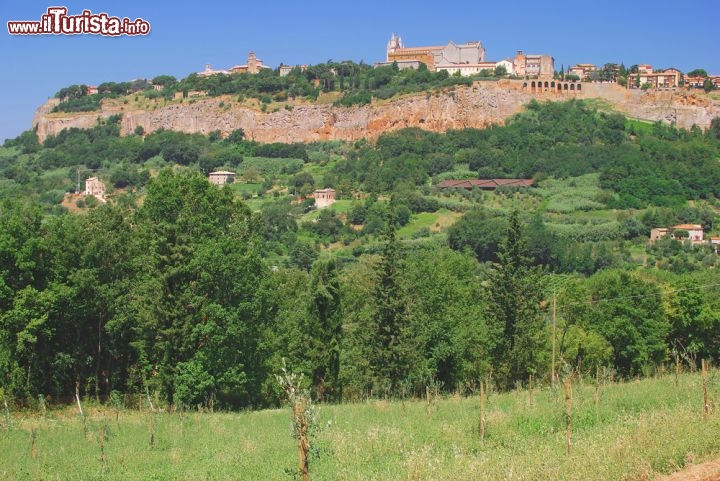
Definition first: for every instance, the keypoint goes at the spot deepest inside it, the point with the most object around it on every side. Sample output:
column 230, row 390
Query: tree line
column 357, row 84
column 176, row 298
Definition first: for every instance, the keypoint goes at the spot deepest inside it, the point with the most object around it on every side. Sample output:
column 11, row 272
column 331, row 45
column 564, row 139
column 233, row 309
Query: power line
column 639, row 296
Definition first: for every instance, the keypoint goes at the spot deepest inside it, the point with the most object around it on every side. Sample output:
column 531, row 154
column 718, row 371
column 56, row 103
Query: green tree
column 580, row 347
column 167, row 81
column 513, row 294
column 303, row 255
column 389, row 358
column 200, row 297
column 480, row 232
column 715, row 127
column 446, row 330
column 323, row 329
column 695, row 328
column 627, row 312
column 236, row 136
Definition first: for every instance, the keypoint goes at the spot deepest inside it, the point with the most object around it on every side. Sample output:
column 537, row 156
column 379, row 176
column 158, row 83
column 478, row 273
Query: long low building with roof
column 486, row 184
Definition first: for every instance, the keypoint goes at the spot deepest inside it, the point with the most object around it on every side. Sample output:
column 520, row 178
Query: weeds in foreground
column 631, row 430
column 304, row 417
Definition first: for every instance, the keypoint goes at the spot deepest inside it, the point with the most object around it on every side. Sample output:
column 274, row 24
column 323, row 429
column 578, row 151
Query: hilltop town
column 308, row 102
column 469, row 59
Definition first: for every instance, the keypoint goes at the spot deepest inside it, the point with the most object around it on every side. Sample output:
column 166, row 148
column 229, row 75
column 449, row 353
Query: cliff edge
column 477, row 106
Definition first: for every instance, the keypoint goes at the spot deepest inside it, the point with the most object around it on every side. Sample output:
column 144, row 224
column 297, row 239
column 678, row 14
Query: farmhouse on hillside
column 323, row 197
column 694, row 232
column 95, row 187
column 221, row 177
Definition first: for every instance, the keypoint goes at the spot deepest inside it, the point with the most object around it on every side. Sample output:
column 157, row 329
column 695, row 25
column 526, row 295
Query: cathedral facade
column 435, row 57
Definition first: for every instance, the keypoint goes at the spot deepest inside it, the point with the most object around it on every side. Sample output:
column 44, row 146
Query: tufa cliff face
column 477, row 106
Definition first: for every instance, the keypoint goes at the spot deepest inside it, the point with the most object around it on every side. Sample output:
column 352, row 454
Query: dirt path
column 709, row 471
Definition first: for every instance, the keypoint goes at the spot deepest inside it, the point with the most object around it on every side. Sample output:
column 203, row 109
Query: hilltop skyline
column 182, row 41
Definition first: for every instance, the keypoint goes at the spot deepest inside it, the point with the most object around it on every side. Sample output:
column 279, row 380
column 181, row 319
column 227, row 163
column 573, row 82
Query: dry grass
column 641, row 430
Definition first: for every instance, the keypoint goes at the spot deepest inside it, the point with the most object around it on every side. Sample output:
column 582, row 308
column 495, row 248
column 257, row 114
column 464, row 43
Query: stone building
column 94, row 187
column 211, row 71
column 286, row 69
column 435, row 57
column 324, row 197
column 695, row 233
column 254, row 65
column 189, row 94
column 533, row 65
column 664, row 79
column 699, row 82
column 474, row 69
column 582, row 70
column 221, row 177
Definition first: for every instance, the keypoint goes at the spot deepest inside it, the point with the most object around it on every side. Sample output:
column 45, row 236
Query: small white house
column 695, row 232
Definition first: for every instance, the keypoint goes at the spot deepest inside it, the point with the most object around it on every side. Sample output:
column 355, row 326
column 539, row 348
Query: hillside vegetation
column 195, row 294
column 356, row 84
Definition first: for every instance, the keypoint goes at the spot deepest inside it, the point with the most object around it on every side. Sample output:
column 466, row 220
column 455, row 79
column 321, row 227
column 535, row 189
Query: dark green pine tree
column 513, row 301
column 323, row 330
column 389, row 361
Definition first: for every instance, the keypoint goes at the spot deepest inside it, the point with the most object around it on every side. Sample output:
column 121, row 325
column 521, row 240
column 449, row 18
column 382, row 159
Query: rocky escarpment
column 477, row 106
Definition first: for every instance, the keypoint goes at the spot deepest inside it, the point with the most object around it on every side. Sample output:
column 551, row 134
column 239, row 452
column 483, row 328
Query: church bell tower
column 392, row 46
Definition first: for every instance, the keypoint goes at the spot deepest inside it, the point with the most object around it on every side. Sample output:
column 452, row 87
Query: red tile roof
column 688, row 227
column 485, row 183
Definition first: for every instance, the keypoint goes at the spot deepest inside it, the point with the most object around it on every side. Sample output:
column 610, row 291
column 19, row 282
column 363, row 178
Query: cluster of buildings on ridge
column 470, row 59
column 465, row 59
column 646, row 75
column 254, row 65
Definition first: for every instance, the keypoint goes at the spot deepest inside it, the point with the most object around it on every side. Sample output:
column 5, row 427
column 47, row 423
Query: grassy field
column 639, row 125
column 566, row 196
column 630, row 431
column 432, row 221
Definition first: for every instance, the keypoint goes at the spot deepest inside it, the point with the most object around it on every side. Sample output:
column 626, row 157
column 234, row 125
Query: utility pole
column 554, row 327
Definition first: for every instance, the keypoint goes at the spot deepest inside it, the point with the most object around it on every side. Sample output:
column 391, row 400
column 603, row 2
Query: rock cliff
column 477, row 106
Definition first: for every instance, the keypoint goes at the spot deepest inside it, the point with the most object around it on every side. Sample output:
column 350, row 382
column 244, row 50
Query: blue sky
column 183, row 39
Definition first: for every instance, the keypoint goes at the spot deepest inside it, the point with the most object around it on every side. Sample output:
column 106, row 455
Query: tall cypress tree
column 323, row 331
column 513, row 301
column 389, row 362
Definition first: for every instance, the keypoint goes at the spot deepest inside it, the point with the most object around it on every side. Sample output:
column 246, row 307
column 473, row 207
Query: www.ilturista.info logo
column 57, row 22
